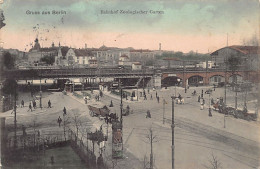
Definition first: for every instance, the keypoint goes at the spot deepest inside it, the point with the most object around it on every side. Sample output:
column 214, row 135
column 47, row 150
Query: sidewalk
column 129, row 161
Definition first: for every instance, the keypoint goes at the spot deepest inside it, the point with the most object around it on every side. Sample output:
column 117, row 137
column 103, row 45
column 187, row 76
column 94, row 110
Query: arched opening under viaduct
column 171, row 81
column 195, row 80
column 216, row 79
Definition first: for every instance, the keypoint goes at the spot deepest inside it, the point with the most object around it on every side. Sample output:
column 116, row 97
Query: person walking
column 202, row 93
column 34, row 104
column 202, row 104
column 100, row 162
column 30, row 107
column 145, row 98
column 148, row 114
column 199, row 98
column 151, row 98
column 158, row 99
column 49, row 104
column 156, row 94
column 64, row 111
column 22, row 103
column 111, row 104
column 59, row 121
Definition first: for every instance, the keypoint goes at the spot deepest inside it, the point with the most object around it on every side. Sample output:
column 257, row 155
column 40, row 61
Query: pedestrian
column 145, row 98
column 148, row 91
column 126, row 97
column 156, row 94
column 203, row 101
column 202, row 93
column 158, row 99
column 30, row 107
column 34, row 104
column 148, row 114
column 86, row 100
column 151, row 98
column 214, row 87
column 179, row 97
column 64, row 111
column 100, row 162
column 212, row 101
column 127, row 110
column 199, row 98
column 202, row 104
column 59, row 121
column 49, row 104
column 22, row 103
column 185, row 90
column 217, row 100
column 111, row 104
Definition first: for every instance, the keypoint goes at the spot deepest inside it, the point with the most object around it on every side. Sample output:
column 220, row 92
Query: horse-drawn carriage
column 241, row 114
column 95, row 111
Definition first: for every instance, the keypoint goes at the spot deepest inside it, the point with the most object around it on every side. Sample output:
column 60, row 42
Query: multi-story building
column 36, row 53
column 75, row 57
column 247, row 54
column 124, row 60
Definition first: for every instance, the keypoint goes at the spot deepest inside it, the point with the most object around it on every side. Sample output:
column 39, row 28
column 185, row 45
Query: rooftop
column 242, row 49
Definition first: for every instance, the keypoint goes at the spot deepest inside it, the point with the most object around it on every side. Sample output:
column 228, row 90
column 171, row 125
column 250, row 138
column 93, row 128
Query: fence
column 36, row 142
column 82, row 150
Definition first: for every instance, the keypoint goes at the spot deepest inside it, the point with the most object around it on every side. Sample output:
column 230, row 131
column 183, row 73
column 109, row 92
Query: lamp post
column 40, row 94
column 210, row 114
column 178, row 80
column 173, row 97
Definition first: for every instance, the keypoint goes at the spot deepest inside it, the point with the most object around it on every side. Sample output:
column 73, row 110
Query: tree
column 2, row 18
column 214, row 163
column 9, row 87
column 253, row 40
column 234, row 63
column 48, row 59
column 8, row 60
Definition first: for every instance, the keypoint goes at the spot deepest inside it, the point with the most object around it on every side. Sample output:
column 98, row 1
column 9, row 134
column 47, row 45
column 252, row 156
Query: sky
column 181, row 25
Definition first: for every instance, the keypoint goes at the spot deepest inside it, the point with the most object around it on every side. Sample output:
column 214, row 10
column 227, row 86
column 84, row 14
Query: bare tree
column 151, row 138
column 66, row 122
column 77, row 123
column 214, row 163
column 252, row 41
column 145, row 162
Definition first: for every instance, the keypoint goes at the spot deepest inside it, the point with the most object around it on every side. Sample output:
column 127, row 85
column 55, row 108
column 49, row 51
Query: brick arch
column 165, row 75
column 236, row 73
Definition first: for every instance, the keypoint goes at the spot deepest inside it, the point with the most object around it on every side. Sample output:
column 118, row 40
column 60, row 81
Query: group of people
column 32, row 104
column 59, row 118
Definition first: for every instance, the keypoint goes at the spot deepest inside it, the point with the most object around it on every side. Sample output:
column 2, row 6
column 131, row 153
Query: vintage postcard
column 128, row 84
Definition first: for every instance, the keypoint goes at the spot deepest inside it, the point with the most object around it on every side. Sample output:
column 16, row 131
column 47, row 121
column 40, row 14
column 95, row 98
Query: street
column 198, row 137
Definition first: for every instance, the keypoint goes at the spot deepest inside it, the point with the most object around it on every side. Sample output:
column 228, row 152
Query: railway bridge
column 187, row 76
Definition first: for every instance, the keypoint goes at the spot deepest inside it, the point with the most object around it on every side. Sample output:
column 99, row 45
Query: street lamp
column 178, row 80
column 210, row 114
column 40, row 94
column 173, row 97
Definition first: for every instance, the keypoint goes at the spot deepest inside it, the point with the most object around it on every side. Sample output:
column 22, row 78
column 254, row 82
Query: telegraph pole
column 173, row 132
column 225, row 94
column 15, row 125
column 40, row 93
column 121, row 115
column 151, row 155
column 163, row 110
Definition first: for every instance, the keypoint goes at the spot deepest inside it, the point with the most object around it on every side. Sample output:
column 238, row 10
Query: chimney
column 85, row 46
column 160, row 46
